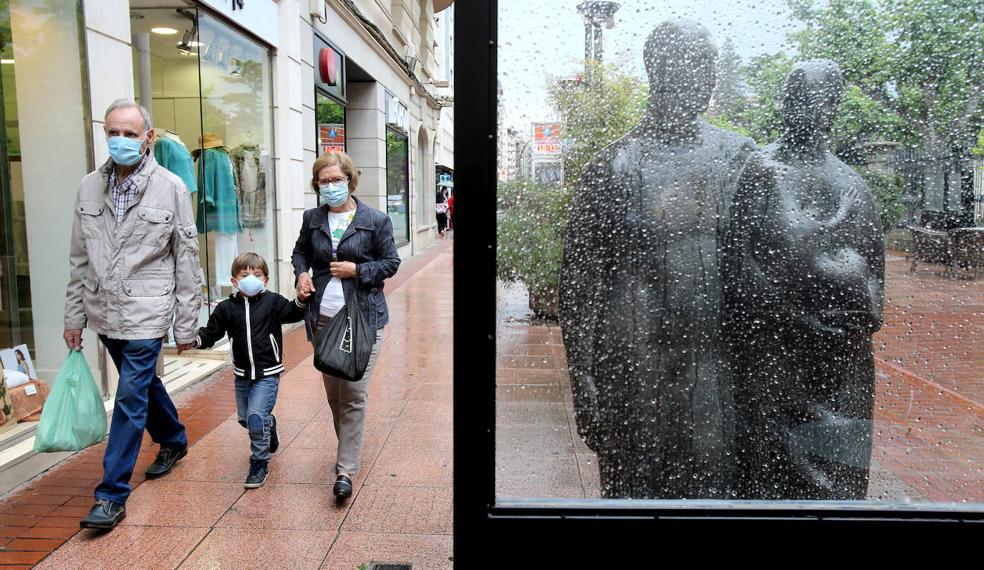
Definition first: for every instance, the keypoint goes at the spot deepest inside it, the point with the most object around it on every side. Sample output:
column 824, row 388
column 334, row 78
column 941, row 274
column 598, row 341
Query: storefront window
column 44, row 152
column 211, row 101
column 743, row 261
column 235, row 167
column 330, row 116
column 398, row 185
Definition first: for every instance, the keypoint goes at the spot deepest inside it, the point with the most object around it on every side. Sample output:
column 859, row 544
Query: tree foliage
column 914, row 71
column 596, row 112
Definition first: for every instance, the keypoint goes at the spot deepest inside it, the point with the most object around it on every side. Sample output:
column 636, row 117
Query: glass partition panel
column 234, row 157
column 737, row 251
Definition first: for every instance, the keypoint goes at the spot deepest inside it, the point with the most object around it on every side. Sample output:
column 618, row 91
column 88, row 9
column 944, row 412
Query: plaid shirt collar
column 123, row 194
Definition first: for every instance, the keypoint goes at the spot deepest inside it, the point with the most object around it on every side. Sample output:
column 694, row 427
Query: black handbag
column 343, row 345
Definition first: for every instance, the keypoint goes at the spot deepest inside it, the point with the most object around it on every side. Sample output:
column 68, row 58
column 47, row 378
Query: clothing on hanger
column 218, row 201
column 251, row 176
column 175, row 157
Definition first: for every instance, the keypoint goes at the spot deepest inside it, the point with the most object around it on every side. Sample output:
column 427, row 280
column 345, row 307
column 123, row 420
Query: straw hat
column 208, row 140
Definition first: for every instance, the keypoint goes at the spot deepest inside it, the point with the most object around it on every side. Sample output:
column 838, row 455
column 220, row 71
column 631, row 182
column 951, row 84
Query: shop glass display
column 398, row 185
column 44, row 129
column 738, row 258
column 212, row 107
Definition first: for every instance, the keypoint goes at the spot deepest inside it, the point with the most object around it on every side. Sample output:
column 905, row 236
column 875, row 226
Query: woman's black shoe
column 343, row 487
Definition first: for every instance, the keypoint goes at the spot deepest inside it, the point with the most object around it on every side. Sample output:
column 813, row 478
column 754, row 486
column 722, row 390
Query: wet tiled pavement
column 929, row 417
column 929, row 443
column 199, row 516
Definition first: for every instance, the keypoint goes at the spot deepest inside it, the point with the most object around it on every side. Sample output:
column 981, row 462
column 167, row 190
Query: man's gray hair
column 126, row 103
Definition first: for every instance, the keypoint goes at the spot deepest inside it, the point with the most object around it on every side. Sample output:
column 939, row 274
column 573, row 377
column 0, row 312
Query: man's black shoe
column 166, row 458
column 257, row 474
column 105, row 514
column 343, row 487
column 274, row 438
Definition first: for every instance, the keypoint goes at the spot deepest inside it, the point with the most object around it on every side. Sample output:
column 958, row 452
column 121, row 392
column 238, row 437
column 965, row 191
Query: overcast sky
column 542, row 38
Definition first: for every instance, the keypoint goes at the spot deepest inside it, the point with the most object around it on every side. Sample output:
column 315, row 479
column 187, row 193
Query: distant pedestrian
column 133, row 266
column 441, row 208
column 344, row 245
column 254, row 318
column 451, row 211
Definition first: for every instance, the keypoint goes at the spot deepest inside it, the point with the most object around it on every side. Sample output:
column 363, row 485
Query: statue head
column 810, row 95
column 679, row 57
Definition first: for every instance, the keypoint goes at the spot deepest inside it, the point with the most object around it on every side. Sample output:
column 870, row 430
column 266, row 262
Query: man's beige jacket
column 129, row 279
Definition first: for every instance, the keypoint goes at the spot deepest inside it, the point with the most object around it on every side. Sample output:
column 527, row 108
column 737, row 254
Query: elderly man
column 134, row 264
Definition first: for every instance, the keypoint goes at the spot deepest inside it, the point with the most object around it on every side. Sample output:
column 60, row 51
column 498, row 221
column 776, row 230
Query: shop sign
column 397, row 114
column 259, row 17
column 332, row 137
column 328, row 66
column 546, row 138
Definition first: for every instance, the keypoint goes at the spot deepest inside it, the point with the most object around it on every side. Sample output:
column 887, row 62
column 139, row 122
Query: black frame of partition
column 522, row 534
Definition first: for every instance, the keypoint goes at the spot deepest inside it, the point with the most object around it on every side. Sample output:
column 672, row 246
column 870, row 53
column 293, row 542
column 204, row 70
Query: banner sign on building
column 546, row 138
column 331, row 137
column 397, row 114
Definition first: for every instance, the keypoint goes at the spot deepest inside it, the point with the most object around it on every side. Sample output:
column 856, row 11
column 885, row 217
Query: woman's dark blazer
column 368, row 242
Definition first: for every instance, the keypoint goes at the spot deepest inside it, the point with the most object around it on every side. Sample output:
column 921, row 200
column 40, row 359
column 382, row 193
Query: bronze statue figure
column 641, row 290
column 804, row 275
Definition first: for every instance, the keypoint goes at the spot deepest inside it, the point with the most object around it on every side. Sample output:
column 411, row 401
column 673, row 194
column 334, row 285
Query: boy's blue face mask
column 250, row 285
column 125, row 151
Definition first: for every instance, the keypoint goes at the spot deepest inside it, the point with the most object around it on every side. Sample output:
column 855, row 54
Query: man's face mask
column 125, row 151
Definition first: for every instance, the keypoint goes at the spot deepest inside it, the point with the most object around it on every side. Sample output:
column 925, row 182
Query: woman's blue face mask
column 334, row 194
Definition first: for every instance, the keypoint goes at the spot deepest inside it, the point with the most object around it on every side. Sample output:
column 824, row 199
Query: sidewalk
column 929, row 404
column 200, row 516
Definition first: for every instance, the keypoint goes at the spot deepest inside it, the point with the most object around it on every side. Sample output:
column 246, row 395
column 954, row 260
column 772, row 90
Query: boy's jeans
column 254, row 402
column 141, row 402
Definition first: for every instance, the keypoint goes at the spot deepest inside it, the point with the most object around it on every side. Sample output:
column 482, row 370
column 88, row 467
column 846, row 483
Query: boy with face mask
column 253, row 317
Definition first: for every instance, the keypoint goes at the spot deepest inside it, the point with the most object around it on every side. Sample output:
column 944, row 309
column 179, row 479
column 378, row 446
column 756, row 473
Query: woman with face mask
column 344, row 244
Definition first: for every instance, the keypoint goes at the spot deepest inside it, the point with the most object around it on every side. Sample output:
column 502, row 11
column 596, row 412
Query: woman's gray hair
column 126, row 103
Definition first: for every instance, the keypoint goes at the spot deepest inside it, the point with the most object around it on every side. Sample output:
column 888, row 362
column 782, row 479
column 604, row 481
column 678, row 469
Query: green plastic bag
column 73, row 416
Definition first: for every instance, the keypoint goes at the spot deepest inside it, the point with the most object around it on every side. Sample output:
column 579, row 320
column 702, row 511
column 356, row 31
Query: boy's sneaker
column 257, row 474
column 274, row 438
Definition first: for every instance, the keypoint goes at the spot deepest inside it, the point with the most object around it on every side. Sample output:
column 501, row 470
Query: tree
column 595, row 113
column 729, row 88
column 916, row 65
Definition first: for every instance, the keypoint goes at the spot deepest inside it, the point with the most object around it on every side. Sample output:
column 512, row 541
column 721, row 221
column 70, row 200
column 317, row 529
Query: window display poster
column 19, row 359
column 332, row 137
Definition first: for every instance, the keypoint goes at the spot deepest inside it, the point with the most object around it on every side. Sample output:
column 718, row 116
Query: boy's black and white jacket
column 254, row 326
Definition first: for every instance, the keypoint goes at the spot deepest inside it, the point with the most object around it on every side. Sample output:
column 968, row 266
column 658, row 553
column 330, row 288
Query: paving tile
column 126, row 548
column 418, row 466
column 431, row 552
column 427, row 412
column 301, row 507
column 170, row 502
column 261, row 548
column 435, row 436
column 21, row 557
column 317, row 434
column 304, row 465
column 538, row 476
column 401, row 510
column 226, row 464
column 50, row 532
column 300, row 409
column 34, row 544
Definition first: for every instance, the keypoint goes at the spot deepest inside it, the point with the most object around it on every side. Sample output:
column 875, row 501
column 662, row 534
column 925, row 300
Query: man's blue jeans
column 141, row 402
column 254, row 403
